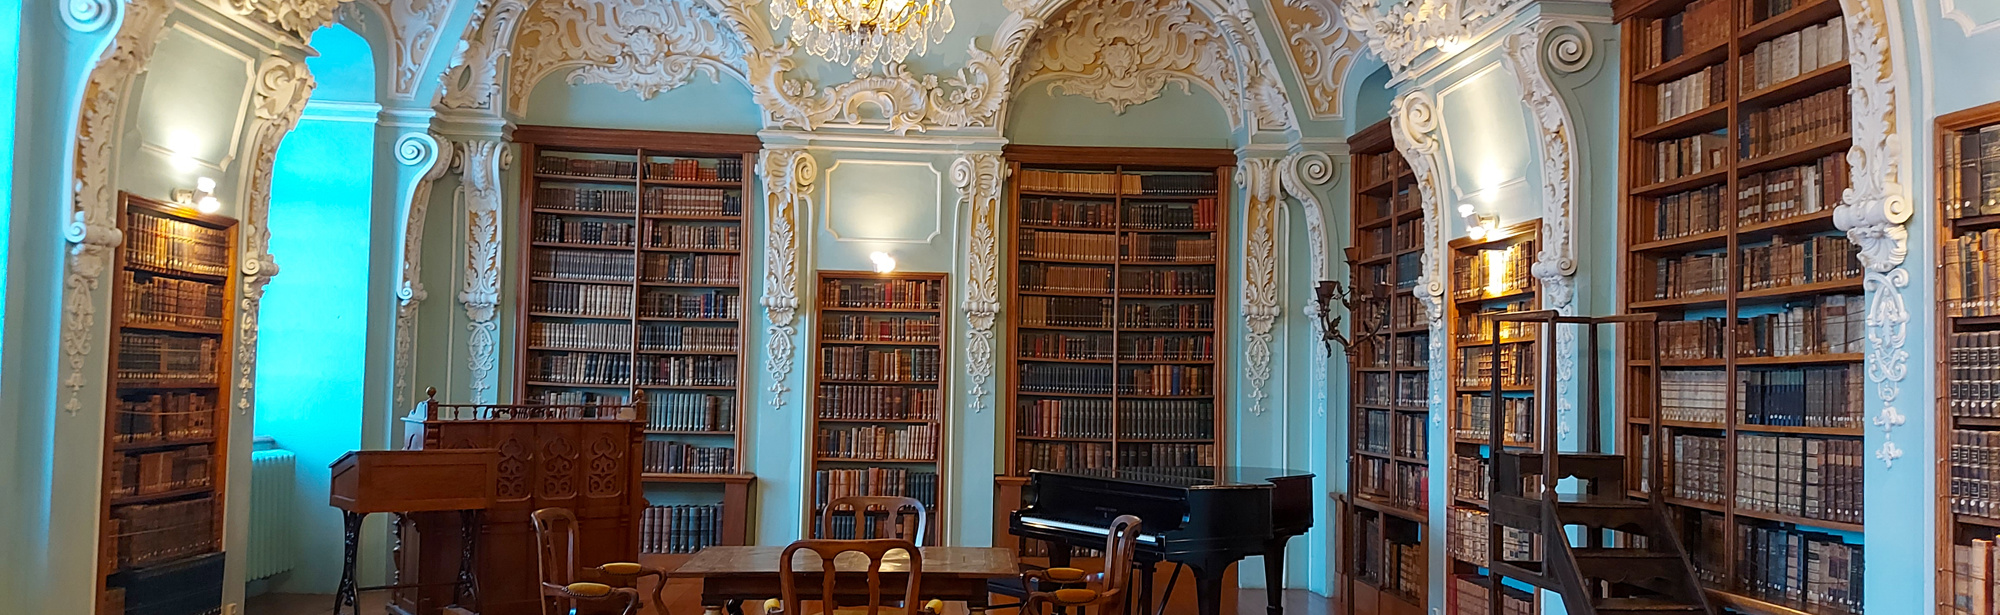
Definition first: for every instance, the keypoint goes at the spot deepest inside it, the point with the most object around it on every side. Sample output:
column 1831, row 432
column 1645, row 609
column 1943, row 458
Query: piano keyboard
column 1151, row 539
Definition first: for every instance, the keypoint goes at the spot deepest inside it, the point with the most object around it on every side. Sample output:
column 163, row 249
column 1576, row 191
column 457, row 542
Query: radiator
column 271, row 483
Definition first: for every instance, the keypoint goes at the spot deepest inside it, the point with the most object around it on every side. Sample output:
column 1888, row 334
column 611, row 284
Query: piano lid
column 1186, row 478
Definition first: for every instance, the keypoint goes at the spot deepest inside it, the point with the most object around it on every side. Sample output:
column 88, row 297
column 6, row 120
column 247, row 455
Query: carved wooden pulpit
column 586, row 458
column 426, row 486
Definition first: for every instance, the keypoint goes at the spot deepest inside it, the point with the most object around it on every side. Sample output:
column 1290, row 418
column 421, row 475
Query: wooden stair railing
column 1649, row 575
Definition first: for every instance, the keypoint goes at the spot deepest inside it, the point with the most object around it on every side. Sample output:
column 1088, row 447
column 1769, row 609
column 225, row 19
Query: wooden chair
column 555, row 533
column 1072, row 590
column 909, row 603
column 894, row 505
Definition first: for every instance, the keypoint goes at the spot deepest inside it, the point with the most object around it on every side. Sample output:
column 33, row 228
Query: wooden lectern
column 427, row 485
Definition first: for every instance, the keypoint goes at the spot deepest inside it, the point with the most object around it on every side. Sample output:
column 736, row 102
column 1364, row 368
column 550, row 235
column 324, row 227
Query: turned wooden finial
column 431, row 393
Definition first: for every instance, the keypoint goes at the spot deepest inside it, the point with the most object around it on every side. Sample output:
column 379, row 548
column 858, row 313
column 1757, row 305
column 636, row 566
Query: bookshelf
column 1389, row 387
column 878, row 420
column 1735, row 156
column 1968, row 229
column 1490, row 275
column 165, row 441
column 631, row 282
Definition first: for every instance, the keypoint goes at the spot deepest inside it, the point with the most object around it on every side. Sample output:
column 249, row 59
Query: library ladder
column 1645, row 568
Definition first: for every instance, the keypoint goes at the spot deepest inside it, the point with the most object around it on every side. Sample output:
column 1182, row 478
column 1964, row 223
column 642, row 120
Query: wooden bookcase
column 166, row 417
column 1968, row 227
column 1388, row 388
column 1489, row 275
column 1735, row 129
column 878, row 419
column 631, row 283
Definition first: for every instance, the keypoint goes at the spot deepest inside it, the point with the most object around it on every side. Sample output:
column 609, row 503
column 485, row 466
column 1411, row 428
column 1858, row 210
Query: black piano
column 1199, row 517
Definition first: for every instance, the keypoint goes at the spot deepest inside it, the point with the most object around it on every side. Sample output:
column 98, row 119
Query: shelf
column 588, row 179
column 125, row 385
column 572, row 385
column 695, row 353
column 1800, row 155
column 1851, row 432
column 1784, row 518
column 1108, row 230
column 1812, row 82
column 1151, row 330
column 154, row 445
column 1137, row 361
column 1748, row 605
column 1687, row 64
column 692, row 250
column 719, row 285
column 1067, row 261
column 1823, row 218
column 1812, row 12
column 1667, row 363
column 1105, row 329
column 1784, row 293
column 827, row 419
column 895, row 310
column 895, row 461
column 1804, row 359
column 687, row 432
column 1698, row 301
column 878, row 342
column 1090, row 196
column 174, row 329
column 581, row 246
column 907, row 383
column 582, row 316
column 1708, row 506
column 1483, row 297
column 694, row 217
column 1708, row 119
column 664, row 318
column 1976, row 421
column 176, row 273
column 694, row 183
column 595, row 350
column 1683, row 183
column 161, row 496
column 615, row 215
column 1977, row 222
column 1976, row 520
column 1692, row 425
column 542, row 278
column 1689, row 243
column 1389, row 509
column 695, row 478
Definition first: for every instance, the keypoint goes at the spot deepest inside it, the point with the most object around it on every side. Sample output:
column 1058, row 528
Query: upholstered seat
column 556, row 554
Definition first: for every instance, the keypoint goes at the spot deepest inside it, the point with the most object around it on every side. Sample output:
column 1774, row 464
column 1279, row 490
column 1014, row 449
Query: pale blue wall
column 1175, row 119
column 313, row 331
column 700, row 106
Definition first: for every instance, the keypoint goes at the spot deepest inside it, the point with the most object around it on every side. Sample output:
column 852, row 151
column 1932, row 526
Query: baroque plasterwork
column 1528, row 53
column 977, row 177
column 299, row 17
column 472, row 84
column 637, row 46
column 93, row 231
column 283, row 86
column 1408, row 28
column 480, row 162
column 1297, row 175
column 1321, row 49
column 414, row 28
column 88, row 15
column 1874, row 209
column 1950, row 9
column 1259, row 178
column 423, row 152
column 789, row 175
column 1413, row 124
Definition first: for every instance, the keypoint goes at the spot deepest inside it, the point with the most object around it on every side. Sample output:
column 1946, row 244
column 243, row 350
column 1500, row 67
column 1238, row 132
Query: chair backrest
column 555, row 552
column 828, row 550
column 902, row 514
column 1119, row 545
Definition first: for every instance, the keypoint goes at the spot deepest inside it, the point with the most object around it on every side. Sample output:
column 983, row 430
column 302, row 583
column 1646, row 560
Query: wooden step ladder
column 1530, row 524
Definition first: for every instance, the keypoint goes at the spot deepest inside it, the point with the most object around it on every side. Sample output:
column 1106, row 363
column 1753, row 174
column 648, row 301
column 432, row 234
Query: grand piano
column 1203, row 518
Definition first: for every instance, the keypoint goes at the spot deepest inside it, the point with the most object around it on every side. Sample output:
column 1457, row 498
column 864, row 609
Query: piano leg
column 1145, row 589
column 1208, row 588
column 1274, row 575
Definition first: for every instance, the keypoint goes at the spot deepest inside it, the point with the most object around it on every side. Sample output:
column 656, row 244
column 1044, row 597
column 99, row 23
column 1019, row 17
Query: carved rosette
column 282, row 88
column 1321, row 50
column 1259, row 178
column 480, row 161
column 1526, row 53
column 1874, row 209
column 977, row 177
column 420, row 151
column 789, row 174
column 93, row 227
column 1413, row 125
column 1297, row 173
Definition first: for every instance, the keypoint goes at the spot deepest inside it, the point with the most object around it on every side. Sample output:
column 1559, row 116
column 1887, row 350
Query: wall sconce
column 1478, row 226
column 201, row 198
column 883, row 262
column 1368, row 323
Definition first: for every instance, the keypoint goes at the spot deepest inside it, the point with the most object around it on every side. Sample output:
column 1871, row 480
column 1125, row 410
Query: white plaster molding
column 1569, row 47
column 1261, row 184
column 789, row 174
column 480, row 162
column 472, row 84
column 1408, row 28
column 431, row 160
column 414, row 28
column 977, row 177
column 299, row 17
column 1322, row 51
column 93, row 231
column 1949, row 9
column 827, row 220
column 283, row 86
column 88, row 15
column 1528, row 53
column 1297, row 174
column 1413, row 124
column 638, row 46
column 1875, row 207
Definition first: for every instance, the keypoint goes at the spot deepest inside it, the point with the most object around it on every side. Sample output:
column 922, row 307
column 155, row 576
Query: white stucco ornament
column 977, row 177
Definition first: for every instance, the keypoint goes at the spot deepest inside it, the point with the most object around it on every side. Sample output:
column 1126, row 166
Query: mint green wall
column 1039, row 117
column 699, row 106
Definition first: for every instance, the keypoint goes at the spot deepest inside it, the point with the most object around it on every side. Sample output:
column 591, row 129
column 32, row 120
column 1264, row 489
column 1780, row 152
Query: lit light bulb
column 883, row 262
column 1476, row 232
column 1465, row 210
column 208, row 205
column 204, row 185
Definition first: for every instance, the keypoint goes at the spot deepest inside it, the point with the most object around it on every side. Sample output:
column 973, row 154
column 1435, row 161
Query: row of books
column 1809, row 478
column 1792, row 262
column 160, row 471
column 1379, row 168
column 1975, row 473
column 1470, row 477
column 1395, row 566
column 1472, row 418
column 669, row 457
column 1974, row 380
column 1794, row 191
column 878, row 328
column 899, row 294
column 1167, row 315
column 158, row 300
column 592, row 231
column 165, row 244
column 1971, row 273
column 581, row 199
column 1136, row 419
column 1074, row 379
column 879, row 443
column 1972, row 159
column 1694, row 396
column 1472, row 594
column 686, row 371
column 1823, row 396
column 1685, row 340
column 1687, row 156
column 1172, row 216
column 149, row 534
column 693, row 202
column 1494, row 272
column 1810, row 571
column 686, row 411
column 694, row 237
column 584, row 265
column 680, row 529
column 1030, row 455
column 1702, row 24
column 1467, row 534
column 600, row 336
column 1794, row 53
column 1374, row 432
column 866, row 364
column 1095, row 247
column 1046, row 211
column 1065, row 278
column 592, row 300
column 1975, row 575
column 1158, row 455
column 1689, row 276
column 690, row 305
column 576, row 398
column 1401, row 485
column 149, row 358
column 1168, row 248
column 1167, row 282
column 1065, row 312
column 1166, row 380
column 830, row 485
column 843, row 524
column 1689, row 94
column 1813, row 119
column 1065, row 345
column 1684, row 214
column 1406, row 312
column 874, row 402
column 1827, row 324
column 716, row 269
column 164, row 417
column 1695, row 467
column 676, row 337
column 587, row 167
column 1478, row 327
column 1194, row 216
column 1377, row 208
column 580, row 368
column 1402, row 390
column 1517, row 366
column 701, row 203
column 696, row 169
column 1164, row 184
column 1167, row 347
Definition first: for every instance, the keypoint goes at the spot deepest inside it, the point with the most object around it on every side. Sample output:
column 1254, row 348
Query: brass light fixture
column 862, row 33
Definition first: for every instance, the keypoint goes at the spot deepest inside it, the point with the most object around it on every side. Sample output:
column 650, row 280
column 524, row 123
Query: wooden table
column 731, row 575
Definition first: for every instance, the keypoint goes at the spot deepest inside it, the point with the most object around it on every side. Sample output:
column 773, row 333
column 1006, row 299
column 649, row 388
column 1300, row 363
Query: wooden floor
column 682, row 600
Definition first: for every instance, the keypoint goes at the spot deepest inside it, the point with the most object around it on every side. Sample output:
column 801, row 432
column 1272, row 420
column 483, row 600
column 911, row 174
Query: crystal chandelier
column 860, row 33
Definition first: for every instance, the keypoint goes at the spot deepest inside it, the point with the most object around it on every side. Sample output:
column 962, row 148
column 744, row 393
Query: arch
column 635, row 46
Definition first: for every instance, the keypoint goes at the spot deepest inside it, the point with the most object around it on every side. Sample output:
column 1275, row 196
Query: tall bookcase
column 1969, row 248
column 1736, row 131
column 632, row 276
column 165, row 411
column 878, row 420
column 1388, row 388
column 1490, row 275
column 1117, row 296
